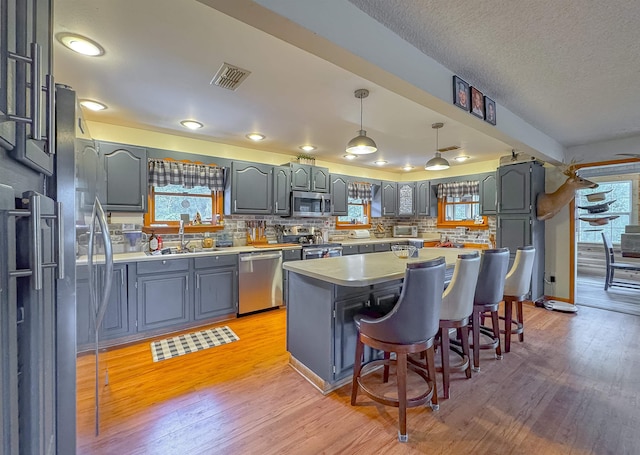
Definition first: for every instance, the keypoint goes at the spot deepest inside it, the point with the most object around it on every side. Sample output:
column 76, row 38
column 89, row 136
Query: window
column 359, row 215
column 621, row 193
column 177, row 188
column 459, row 205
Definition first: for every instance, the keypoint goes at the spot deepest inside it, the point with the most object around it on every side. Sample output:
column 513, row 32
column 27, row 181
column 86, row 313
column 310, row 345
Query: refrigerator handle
column 108, row 255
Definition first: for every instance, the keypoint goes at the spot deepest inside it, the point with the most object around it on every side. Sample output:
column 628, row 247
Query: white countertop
column 142, row 257
column 375, row 240
column 367, row 269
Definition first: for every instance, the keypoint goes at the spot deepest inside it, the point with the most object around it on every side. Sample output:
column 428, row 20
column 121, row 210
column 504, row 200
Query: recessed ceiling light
column 80, row 44
column 255, row 136
column 93, row 105
column 307, row 148
column 461, row 158
column 380, row 162
column 349, row 156
column 407, row 167
column 191, row 124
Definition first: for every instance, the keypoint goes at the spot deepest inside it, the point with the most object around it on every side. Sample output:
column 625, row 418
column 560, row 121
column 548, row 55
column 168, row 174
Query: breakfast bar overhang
column 324, row 297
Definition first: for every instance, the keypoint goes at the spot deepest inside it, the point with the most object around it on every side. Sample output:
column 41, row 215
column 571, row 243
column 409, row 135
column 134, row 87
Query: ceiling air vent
column 229, row 76
column 450, row 148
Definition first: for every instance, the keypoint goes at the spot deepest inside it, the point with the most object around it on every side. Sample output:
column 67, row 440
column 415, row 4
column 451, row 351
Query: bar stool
column 457, row 306
column 409, row 328
column 488, row 295
column 516, row 287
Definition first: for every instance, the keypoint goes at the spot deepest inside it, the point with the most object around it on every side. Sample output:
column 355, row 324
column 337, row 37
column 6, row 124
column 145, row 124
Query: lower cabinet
column 118, row 320
column 288, row 255
column 163, row 300
column 216, row 286
column 160, row 294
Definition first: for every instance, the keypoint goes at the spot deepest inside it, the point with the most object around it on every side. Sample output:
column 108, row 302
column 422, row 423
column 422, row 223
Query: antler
column 569, row 169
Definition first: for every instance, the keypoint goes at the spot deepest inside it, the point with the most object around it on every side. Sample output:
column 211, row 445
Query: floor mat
column 191, row 342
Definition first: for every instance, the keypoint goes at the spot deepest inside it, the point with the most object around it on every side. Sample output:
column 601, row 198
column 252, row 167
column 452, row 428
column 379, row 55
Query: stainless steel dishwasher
column 260, row 281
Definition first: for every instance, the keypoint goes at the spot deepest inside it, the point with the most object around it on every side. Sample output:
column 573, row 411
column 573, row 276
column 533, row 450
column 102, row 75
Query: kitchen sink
column 175, row 251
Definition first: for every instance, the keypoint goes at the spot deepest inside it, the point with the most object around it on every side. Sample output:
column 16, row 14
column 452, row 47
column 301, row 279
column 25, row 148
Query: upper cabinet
column 281, row 190
column 127, row 183
column 488, row 195
column 423, row 198
column 249, row 189
column 305, row 177
column 339, row 195
column 518, row 187
column 406, row 198
column 27, row 129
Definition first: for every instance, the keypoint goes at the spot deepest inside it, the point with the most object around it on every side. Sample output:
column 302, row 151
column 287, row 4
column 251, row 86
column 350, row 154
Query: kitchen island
column 324, row 297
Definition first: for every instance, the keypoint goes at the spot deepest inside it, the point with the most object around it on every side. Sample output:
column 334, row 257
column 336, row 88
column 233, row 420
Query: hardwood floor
column 570, row 388
column 590, row 292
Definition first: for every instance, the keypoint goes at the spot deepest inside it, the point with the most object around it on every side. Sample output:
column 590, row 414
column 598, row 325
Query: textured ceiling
column 571, row 68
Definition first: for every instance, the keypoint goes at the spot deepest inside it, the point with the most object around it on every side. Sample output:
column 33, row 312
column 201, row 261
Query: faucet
column 183, row 244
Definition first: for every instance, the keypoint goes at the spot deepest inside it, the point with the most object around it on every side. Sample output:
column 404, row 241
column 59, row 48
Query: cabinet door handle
column 36, row 88
column 122, row 278
column 235, row 205
column 36, row 241
column 197, row 281
column 60, row 220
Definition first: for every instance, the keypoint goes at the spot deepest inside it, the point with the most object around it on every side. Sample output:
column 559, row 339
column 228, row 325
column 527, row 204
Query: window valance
column 360, row 190
column 458, row 189
column 189, row 175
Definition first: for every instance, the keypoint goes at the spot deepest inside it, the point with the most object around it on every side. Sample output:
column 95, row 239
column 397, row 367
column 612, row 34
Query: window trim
column 343, row 225
column 442, row 222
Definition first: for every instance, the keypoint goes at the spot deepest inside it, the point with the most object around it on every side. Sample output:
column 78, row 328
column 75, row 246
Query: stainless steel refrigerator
column 39, row 214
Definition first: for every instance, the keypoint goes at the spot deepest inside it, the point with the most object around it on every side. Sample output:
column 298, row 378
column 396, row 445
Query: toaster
column 359, row 234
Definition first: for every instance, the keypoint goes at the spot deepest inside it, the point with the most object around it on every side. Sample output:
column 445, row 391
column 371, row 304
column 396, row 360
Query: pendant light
column 361, row 144
column 437, row 163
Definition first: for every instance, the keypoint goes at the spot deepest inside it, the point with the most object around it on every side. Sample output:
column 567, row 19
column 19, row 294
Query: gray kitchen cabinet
column 249, row 189
column 281, row 190
column 518, row 186
column 365, row 248
column 349, row 249
column 346, row 334
column 162, row 291
column 91, row 178
column 388, row 199
column 216, row 286
column 118, row 319
column 288, row 255
column 380, row 247
column 339, row 195
column 127, row 183
column 423, row 198
column 305, row 177
column 25, row 24
column 488, row 195
column 406, row 205
column 517, row 225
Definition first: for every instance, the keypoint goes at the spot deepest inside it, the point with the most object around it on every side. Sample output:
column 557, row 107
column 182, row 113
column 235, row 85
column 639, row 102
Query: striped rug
column 191, row 342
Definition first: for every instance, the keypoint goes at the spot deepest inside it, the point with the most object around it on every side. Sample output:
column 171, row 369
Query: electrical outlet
column 552, row 278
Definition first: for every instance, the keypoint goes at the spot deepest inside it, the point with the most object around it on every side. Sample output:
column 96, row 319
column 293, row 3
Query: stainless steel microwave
column 309, row 204
column 405, row 231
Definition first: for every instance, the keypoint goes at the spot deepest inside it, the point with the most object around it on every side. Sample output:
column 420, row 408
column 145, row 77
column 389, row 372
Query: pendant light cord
column 360, row 113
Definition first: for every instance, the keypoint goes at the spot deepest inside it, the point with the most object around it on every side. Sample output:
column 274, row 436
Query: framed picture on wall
column 461, row 93
column 477, row 103
column 489, row 110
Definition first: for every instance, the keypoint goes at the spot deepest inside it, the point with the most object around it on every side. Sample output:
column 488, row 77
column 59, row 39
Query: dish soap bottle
column 154, row 244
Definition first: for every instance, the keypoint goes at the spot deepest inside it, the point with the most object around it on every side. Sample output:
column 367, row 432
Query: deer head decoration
column 550, row 203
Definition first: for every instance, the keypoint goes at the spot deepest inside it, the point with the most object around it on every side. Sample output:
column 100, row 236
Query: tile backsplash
column 234, row 228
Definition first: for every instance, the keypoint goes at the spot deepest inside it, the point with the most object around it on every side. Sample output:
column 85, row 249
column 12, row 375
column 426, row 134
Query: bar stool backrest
column 493, row 271
column 518, row 280
column 457, row 300
column 416, row 315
